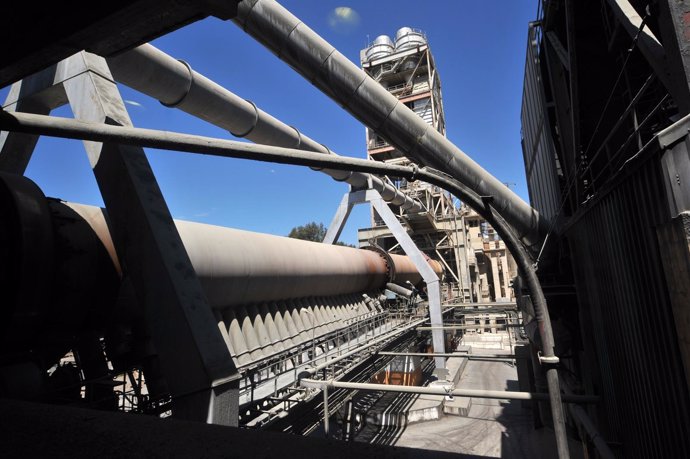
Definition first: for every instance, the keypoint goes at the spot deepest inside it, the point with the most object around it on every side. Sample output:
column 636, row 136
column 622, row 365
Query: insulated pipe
column 441, row 390
column 402, row 291
column 322, row 65
column 174, row 83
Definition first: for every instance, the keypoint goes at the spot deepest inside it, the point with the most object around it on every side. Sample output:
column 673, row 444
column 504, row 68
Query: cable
column 573, row 177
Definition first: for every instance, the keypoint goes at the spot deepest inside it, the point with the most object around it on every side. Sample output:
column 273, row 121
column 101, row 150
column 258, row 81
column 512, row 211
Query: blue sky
column 479, row 48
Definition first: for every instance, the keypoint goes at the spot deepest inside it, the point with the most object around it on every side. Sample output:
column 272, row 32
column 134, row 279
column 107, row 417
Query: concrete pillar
column 494, row 272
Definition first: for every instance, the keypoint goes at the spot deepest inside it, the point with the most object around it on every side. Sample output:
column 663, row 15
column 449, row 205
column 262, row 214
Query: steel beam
column 16, row 148
column 674, row 26
column 445, row 390
column 453, row 355
column 490, row 304
column 463, row 327
column 647, row 42
column 432, row 281
column 400, row 234
column 339, row 219
column 196, row 144
column 194, row 359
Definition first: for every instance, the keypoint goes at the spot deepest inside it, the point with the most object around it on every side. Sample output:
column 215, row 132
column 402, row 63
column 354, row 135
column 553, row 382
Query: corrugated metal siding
column 620, row 281
column 537, row 144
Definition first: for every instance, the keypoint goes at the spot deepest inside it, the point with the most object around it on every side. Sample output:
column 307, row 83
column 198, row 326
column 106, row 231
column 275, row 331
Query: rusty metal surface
column 239, row 267
column 405, row 270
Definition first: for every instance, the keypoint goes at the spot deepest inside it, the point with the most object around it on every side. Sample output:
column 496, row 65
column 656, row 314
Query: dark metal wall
column 627, row 318
column 537, row 142
column 592, row 107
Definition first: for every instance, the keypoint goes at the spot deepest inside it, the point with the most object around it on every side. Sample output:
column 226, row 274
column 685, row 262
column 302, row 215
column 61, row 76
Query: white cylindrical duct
column 174, row 83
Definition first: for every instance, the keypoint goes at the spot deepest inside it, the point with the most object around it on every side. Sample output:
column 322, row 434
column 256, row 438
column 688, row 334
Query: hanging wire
column 573, row 176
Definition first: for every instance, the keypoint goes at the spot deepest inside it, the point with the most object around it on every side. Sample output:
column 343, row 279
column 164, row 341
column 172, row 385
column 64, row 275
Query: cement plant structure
column 478, row 268
column 238, row 336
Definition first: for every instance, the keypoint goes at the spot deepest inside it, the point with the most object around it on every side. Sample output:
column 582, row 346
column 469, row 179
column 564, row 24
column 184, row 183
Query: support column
column 494, row 272
column 505, row 266
column 674, row 242
column 26, row 96
column 339, row 219
column 411, row 250
column 194, row 359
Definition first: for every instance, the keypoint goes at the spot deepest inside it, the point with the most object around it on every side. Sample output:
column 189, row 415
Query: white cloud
column 343, row 19
column 134, row 102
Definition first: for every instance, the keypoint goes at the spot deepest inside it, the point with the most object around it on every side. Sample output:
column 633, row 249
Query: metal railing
column 282, row 369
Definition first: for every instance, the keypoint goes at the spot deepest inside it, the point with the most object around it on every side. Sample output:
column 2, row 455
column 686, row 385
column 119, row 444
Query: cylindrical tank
column 235, row 267
column 406, row 38
column 405, row 270
column 382, row 47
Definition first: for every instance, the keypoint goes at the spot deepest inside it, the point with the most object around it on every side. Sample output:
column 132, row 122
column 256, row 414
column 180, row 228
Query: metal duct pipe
column 174, row 83
column 235, row 267
column 445, row 390
column 395, row 288
column 405, row 270
column 321, row 64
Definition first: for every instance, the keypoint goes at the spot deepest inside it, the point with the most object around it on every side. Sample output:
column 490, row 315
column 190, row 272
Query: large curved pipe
column 235, row 267
column 174, row 83
column 322, row 65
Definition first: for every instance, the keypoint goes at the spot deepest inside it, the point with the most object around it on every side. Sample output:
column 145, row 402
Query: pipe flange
column 189, row 87
column 344, row 179
column 299, row 138
column 547, row 360
column 390, row 265
column 254, row 123
column 415, row 171
column 328, row 152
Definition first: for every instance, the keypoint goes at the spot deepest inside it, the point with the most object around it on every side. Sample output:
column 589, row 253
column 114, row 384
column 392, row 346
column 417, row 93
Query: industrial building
column 478, row 268
column 218, row 341
column 604, row 134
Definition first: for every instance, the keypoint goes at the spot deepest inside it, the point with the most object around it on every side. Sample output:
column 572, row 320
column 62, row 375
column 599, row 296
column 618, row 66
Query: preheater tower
column 406, row 68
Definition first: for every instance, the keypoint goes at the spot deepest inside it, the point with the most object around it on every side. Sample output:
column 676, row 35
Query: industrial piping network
column 37, row 124
column 176, row 85
column 291, row 40
column 327, row 69
column 310, row 55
